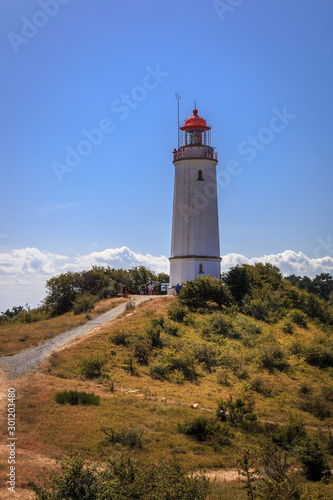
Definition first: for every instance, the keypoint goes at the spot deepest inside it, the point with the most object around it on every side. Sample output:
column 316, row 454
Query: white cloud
column 118, row 257
column 289, row 262
column 23, row 272
column 29, row 260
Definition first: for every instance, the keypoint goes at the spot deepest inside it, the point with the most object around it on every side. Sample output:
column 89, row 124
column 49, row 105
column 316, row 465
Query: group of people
column 126, row 291
column 148, row 290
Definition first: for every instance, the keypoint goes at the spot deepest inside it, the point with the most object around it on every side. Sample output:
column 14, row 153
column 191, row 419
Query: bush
column 299, row 318
column 273, row 358
column 203, row 290
column 222, row 376
column 177, row 312
column 246, row 326
column 260, row 385
column 76, row 398
column 109, row 292
column 319, row 354
column 142, row 351
column 207, row 355
column 159, row 370
column 154, row 335
column 289, row 435
column 236, row 411
column 84, row 303
column 127, row 437
column 234, row 363
column 219, row 324
column 120, row 480
column 92, row 367
column 288, row 327
column 314, row 461
column 171, row 329
column 260, row 309
column 120, row 338
column 203, row 429
column 317, row 405
column 130, row 365
column 175, row 362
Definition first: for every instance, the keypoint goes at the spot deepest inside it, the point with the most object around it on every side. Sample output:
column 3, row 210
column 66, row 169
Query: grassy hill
column 224, row 377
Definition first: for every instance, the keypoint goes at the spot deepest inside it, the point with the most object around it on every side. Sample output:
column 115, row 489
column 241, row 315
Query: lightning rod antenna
column 178, row 97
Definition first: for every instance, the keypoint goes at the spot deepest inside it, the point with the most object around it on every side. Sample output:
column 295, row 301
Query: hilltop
column 222, row 371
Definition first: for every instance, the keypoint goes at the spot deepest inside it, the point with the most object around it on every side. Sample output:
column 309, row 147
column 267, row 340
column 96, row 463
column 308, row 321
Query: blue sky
column 116, row 66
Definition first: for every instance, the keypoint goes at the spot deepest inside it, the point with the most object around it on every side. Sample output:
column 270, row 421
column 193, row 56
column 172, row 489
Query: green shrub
column 127, row 437
column 204, row 429
column 171, row 329
column 236, row 411
column 159, row 370
column 259, row 309
column 120, row 338
column 202, row 290
column 289, row 435
column 121, row 479
column 298, row 317
column 319, row 354
column 222, row 376
column 142, row 351
column 288, row 327
column 175, row 361
column 234, row 362
column 314, row 460
column 317, row 405
column 84, row 303
column 261, row 386
column 207, row 355
column 246, row 326
column 92, row 367
column 305, row 389
column 76, row 398
column 158, row 322
column 272, row 357
column 154, row 335
column 130, row 366
column 110, row 291
column 177, row 312
column 184, row 361
column 219, row 324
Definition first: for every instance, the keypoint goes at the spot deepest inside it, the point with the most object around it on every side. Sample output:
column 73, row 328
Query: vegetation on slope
column 241, row 378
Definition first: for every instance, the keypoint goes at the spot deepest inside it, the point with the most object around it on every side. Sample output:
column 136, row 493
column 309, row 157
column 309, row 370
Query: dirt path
column 25, row 361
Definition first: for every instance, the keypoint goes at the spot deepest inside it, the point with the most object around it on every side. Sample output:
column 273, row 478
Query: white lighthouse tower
column 195, row 247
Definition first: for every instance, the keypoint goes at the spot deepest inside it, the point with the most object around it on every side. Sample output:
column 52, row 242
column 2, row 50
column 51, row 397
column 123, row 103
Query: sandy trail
column 23, row 362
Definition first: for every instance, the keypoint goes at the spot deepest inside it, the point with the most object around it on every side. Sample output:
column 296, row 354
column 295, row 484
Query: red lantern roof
column 195, row 122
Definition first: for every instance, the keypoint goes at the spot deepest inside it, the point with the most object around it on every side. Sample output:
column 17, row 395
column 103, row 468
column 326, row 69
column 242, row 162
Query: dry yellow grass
column 49, row 431
column 15, row 337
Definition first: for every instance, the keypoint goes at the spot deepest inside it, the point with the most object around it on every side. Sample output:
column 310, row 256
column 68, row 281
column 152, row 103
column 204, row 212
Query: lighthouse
column 195, row 246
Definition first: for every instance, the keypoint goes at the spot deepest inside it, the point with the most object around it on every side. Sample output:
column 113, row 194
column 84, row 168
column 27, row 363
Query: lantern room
column 195, row 131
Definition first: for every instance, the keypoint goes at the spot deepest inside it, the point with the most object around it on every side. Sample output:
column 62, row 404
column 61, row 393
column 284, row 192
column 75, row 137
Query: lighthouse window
column 200, row 178
column 201, row 269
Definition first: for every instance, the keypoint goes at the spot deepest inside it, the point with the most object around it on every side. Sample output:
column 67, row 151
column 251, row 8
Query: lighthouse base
column 184, row 269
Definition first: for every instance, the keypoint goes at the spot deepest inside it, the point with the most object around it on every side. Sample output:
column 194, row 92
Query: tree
column 314, row 460
column 140, row 276
column 162, row 278
column 62, row 291
column 201, row 290
column 94, row 280
column 245, row 279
